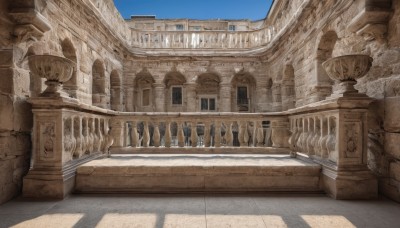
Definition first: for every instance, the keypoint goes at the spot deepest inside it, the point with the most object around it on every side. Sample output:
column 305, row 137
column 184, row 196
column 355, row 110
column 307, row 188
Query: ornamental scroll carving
column 47, row 140
column 352, row 134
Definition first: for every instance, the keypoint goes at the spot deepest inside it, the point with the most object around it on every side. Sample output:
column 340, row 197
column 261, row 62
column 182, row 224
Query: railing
column 201, row 39
column 332, row 133
column 205, row 130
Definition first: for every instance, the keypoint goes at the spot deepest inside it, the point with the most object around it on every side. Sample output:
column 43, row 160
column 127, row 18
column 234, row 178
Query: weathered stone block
column 394, row 171
column 392, row 144
column 392, row 117
column 6, row 113
column 23, row 119
column 6, row 58
column 6, row 78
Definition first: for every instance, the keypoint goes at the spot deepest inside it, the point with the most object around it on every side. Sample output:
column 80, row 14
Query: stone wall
column 74, row 34
column 307, row 46
column 15, row 113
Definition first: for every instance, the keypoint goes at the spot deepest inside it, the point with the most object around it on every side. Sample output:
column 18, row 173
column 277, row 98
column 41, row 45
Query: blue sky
column 195, row 9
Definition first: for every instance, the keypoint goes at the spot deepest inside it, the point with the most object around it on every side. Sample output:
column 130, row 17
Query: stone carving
column 346, row 70
column 55, row 69
column 48, row 142
column 352, row 137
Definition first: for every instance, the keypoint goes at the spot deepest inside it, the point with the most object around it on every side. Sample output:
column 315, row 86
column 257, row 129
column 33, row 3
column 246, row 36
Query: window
column 177, row 95
column 207, row 104
column 232, row 28
column 179, row 27
column 242, row 98
column 146, row 97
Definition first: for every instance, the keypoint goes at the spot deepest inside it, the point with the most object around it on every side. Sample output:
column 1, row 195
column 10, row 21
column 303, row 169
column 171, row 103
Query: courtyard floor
column 202, row 210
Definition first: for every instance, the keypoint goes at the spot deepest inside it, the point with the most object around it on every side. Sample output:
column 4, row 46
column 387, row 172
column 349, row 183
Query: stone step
column 170, row 173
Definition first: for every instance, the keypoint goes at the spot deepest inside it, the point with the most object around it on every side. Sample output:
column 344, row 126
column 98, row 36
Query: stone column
column 129, row 100
column 276, row 98
column 159, row 99
column 190, row 97
column 225, row 97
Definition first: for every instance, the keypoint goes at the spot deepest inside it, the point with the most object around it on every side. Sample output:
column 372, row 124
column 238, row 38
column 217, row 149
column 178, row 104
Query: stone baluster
column 117, row 132
column 259, row 133
column 134, row 135
column 167, row 135
column 280, row 133
column 69, row 141
column 193, row 134
column 243, row 134
column 91, row 135
column 331, row 141
column 323, row 152
column 97, row 144
column 78, row 137
column 180, row 134
column 207, row 135
column 217, row 134
column 85, row 134
column 156, row 135
column 317, row 134
column 311, row 134
column 301, row 134
column 305, row 135
column 101, row 134
column 229, row 134
column 146, row 134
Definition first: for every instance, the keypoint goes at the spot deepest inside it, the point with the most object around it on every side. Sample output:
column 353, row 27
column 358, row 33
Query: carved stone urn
column 55, row 69
column 346, row 70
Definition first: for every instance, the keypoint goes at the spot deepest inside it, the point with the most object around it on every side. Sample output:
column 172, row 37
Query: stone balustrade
column 201, row 39
column 165, row 130
column 332, row 133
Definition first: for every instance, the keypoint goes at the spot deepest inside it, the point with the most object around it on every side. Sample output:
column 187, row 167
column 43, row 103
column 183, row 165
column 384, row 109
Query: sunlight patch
column 52, row 220
column 327, row 221
column 127, row 220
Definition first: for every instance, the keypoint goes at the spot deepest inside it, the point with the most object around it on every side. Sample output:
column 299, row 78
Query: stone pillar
column 276, row 98
column 225, row 97
column 159, row 99
column 191, row 102
column 56, row 155
column 129, row 100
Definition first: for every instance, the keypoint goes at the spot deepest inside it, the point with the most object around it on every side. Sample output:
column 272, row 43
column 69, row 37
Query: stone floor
column 209, row 211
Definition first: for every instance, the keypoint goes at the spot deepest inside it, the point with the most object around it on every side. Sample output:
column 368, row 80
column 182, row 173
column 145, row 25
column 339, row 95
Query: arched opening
column 207, row 92
column 99, row 97
column 144, row 92
column 288, row 88
column 174, row 91
column 322, row 83
column 243, row 92
column 116, row 91
column 68, row 50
